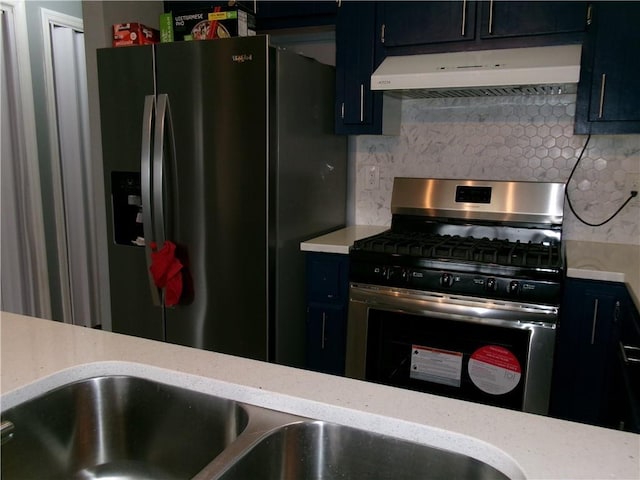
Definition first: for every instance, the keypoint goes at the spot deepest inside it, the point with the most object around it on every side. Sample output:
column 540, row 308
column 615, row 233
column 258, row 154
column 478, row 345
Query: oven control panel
column 461, row 283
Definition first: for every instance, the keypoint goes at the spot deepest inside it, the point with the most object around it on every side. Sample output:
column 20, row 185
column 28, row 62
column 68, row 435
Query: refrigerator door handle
column 163, row 127
column 145, row 181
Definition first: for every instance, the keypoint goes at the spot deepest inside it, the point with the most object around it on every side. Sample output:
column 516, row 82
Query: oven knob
column 446, row 280
column 491, row 284
column 514, row 287
column 398, row 274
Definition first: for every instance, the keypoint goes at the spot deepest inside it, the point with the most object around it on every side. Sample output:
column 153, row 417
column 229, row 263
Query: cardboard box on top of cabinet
column 125, row 34
column 221, row 22
column 166, row 27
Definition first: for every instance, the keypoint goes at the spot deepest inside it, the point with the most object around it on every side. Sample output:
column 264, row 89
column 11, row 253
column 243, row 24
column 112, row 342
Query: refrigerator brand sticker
column 494, row 370
column 435, row 365
column 242, row 58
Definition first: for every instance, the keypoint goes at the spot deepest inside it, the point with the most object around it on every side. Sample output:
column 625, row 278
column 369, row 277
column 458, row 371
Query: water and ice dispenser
column 126, row 202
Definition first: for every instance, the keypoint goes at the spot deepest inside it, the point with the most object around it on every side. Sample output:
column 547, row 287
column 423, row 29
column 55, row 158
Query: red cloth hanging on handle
column 166, row 271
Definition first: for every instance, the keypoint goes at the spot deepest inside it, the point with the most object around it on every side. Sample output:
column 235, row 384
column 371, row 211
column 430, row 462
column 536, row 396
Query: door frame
column 49, row 19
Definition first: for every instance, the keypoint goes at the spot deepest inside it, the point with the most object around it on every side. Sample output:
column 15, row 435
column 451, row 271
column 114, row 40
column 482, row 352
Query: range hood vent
column 514, row 71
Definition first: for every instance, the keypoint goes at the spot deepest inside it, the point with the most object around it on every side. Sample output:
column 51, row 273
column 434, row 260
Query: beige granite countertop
column 38, row 355
column 605, row 261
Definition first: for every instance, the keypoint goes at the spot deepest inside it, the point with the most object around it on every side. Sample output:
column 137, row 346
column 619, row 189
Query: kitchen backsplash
column 505, row 138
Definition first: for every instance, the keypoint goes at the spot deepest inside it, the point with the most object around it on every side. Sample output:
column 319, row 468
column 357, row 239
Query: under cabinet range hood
column 513, row 71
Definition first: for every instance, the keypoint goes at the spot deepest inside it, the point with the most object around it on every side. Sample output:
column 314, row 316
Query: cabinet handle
column 602, row 87
column 594, row 322
column 342, row 110
column 464, row 17
column 491, row 17
column 382, row 32
column 627, row 359
column 589, row 15
column 339, row 2
column 324, row 324
column 362, row 103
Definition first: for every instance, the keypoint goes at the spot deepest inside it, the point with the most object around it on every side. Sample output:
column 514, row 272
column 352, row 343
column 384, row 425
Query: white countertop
column 340, row 240
column 40, row 354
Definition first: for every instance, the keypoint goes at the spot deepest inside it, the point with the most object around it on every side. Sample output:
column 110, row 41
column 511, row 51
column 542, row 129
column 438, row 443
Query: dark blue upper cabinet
column 608, row 98
column 295, row 14
column 515, row 19
column 415, row 23
column 358, row 109
column 422, row 27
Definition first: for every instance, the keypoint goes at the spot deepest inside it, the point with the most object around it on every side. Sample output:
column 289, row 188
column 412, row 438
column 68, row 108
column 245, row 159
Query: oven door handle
column 454, row 307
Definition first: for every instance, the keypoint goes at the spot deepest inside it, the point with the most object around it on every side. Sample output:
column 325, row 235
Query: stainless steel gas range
column 460, row 297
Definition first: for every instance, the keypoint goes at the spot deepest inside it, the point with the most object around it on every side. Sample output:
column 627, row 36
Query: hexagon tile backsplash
column 506, row 138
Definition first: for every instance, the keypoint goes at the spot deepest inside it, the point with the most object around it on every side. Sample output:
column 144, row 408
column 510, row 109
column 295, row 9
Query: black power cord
column 634, row 193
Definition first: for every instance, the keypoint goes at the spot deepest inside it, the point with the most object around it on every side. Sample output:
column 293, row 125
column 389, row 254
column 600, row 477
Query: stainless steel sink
column 122, row 427
column 118, row 427
column 319, row 450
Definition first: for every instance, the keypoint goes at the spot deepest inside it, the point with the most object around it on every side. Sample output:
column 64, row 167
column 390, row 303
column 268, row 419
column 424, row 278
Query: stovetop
column 489, row 239
column 424, row 245
column 489, row 268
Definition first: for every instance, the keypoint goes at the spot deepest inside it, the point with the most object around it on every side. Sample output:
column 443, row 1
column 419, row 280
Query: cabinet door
column 608, row 95
column 295, row 14
column 327, row 300
column 326, row 338
column 419, row 23
column 327, row 278
column 586, row 347
column 624, row 402
column 358, row 109
column 513, row 19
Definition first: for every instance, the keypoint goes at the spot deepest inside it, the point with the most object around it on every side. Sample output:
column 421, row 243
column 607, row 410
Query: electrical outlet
column 632, row 181
column 372, row 177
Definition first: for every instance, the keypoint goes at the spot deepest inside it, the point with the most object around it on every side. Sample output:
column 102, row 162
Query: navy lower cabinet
column 624, row 411
column 586, row 351
column 327, row 304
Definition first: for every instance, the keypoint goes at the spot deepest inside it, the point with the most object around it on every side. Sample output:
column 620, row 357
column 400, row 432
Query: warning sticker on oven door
column 435, row 365
column 494, row 370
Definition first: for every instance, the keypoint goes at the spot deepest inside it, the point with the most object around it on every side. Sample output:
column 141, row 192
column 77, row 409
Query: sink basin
column 118, row 427
column 122, row 427
column 319, row 450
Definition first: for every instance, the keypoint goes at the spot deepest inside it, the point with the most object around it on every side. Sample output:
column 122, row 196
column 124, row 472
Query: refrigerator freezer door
column 125, row 78
column 217, row 92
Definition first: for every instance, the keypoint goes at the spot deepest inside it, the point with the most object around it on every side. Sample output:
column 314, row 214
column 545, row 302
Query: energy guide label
column 435, row 365
column 494, row 370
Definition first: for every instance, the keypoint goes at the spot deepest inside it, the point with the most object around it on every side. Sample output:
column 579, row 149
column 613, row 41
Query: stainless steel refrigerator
column 226, row 148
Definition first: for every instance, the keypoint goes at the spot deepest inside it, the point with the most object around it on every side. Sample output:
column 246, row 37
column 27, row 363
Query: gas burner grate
column 464, row 249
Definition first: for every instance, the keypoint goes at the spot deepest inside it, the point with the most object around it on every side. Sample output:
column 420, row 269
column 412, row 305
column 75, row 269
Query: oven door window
column 469, row 361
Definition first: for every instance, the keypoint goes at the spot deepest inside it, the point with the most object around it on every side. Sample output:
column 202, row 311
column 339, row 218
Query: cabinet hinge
column 382, row 29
